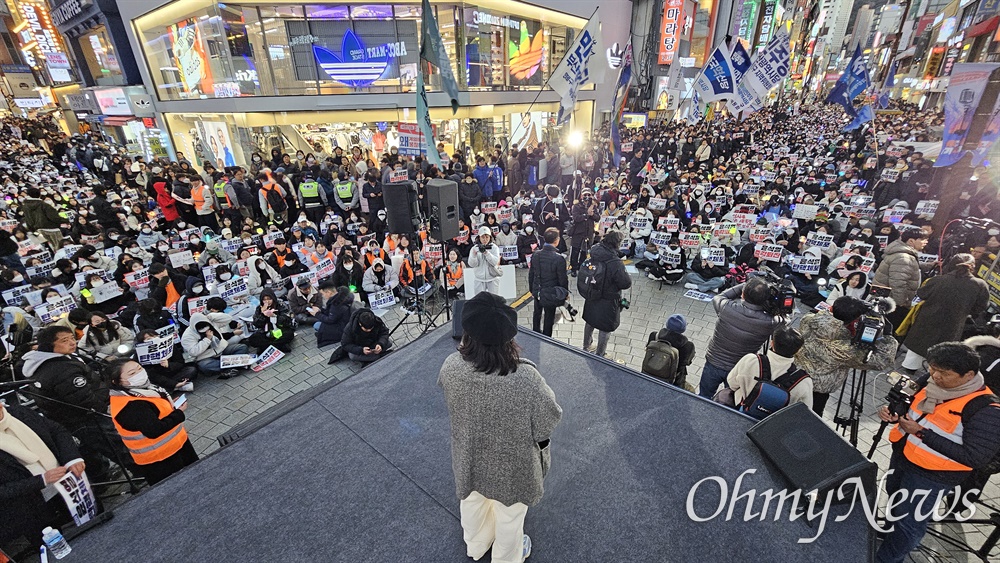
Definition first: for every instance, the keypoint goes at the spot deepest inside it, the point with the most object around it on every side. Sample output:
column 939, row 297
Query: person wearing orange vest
column 203, row 201
column 952, row 428
column 150, row 426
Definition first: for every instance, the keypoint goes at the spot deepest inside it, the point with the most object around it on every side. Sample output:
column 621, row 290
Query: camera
column 484, row 247
column 571, row 310
column 870, row 327
column 900, row 395
column 624, row 303
column 781, row 296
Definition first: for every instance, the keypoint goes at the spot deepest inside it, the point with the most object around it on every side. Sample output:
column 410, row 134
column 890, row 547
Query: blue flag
column 852, row 82
column 716, row 79
column 741, row 61
column 618, row 105
column 432, row 51
column 864, row 116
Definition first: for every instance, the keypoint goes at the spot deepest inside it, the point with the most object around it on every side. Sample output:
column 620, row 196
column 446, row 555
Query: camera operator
column 829, row 353
column 484, row 258
column 602, row 308
column 585, row 216
column 548, row 282
column 743, row 326
column 944, row 447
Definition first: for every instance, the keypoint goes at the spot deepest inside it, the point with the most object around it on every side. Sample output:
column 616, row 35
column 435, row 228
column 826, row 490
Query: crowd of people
column 105, row 257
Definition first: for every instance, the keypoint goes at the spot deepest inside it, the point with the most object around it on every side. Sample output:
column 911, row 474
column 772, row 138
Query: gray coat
column 741, row 329
column 496, row 425
column 899, row 270
column 948, row 300
column 828, row 355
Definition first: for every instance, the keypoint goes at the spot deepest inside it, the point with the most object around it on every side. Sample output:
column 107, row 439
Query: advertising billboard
column 190, row 58
column 670, row 30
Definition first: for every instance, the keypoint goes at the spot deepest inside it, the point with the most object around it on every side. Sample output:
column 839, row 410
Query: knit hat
column 677, row 323
column 488, row 320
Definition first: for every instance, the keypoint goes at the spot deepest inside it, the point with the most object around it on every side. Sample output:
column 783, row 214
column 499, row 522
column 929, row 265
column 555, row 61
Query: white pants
column 913, row 360
column 492, row 286
column 488, row 522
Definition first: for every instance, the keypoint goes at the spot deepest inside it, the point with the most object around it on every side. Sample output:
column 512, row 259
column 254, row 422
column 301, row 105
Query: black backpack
column 274, row 199
column 661, row 360
column 590, row 280
column 971, row 408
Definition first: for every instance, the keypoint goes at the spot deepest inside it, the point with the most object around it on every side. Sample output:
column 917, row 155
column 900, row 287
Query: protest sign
column 310, row 275
column 894, row 215
column 697, row 295
column 208, row 274
column 93, row 240
column 853, row 247
column 81, row 277
column 745, row 221
column 768, row 252
column 105, row 292
column 9, row 225
column 231, row 245
column 181, row 258
column 725, row 231
column 269, row 238
column 882, row 240
column 399, row 176
column 434, row 254
column 488, row 207
column 41, row 269
column 382, row 299
column 806, row 264
column 927, row 207
column 689, row 240
column 890, row 175
column 505, row 214
column 752, row 189
column 758, row 234
column 233, row 289
column 639, row 223
column 268, row 358
column 769, row 176
column 716, row 256
column 927, row 258
column 626, row 245
column 169, row 331
column 197, row 305
column 626, row 147
column 671, row 224
column 230, row 361
column 508, row 252
column 657, row 204
column 867, row 263
column 608, row 221
column 803, row 211
column 660, row 238
column 154, row 351
column 670, row 256
column 51, row 312
column 821, row 240
column 324, row 268
column 78, row 496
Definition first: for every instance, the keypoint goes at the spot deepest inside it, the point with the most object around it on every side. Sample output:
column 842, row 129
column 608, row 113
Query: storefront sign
column 670, row 28
column 28, row 103
column 142, row 105
column 57, row 60
column 357, row 65
column 113, row 101
column 69, row 10
column 484, row 18
column 45, row 36
column 766, row 25
column 21, row 80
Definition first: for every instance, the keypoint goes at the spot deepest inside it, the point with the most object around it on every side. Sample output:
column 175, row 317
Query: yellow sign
column 993, row 282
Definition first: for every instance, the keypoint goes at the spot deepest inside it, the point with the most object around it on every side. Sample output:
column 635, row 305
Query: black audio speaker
column 442, row 201
column 810, row 455
column 398, row 213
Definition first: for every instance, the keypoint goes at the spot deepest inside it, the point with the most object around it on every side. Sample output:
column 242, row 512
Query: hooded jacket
column 333, row 317
column 828, row 355
column 65, row 378
column 40, row 215
column 604, row 311
column 254, row 282
column 900, row 270
column 988, row 348
column 371, row 284
column 197, row 348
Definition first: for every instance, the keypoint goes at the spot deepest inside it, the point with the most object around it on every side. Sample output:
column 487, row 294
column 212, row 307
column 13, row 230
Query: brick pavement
column 217, row 406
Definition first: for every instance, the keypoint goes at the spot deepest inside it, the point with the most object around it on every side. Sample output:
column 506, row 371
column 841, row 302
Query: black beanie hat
column 488, row 320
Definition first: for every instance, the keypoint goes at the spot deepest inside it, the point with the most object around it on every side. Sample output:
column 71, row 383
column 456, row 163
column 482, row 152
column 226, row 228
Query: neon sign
column 356, row 65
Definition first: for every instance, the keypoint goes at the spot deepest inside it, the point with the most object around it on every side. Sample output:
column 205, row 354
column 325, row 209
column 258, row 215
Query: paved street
column 217, row 406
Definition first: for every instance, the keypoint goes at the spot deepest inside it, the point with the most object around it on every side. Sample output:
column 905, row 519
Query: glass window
column 102, row 62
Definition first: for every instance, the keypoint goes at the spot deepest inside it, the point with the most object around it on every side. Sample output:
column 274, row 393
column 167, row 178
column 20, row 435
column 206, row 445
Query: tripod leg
column 877, row 438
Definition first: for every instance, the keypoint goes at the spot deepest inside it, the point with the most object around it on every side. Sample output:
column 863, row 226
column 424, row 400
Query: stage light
column 575, row 139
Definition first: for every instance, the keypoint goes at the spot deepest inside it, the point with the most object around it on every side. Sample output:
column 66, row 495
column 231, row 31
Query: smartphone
column 705, row 254
column 180, row 401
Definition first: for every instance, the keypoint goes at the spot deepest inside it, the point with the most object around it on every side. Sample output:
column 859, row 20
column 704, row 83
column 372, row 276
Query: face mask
column 348, row 265
column 139, row 379
column 83, row 213
column 198, row 288
column 97, row 283
column 17, row 279
column 181, row 225
column 147, row 231
column 53, row 299
column 225, row 277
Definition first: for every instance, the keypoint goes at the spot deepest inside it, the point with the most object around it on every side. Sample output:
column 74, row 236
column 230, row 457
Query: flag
column 864, row 116
column 961, row 100
column 852, row 82
column 715, row 81
column 432, row 51
column 618, row 106
column 890, row 81
column 769, row 67
column 741, row 61
column 424, row 122
column 694, row 111
column 580, row 65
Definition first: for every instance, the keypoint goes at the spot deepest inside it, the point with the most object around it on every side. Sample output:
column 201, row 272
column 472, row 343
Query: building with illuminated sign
column 95, row 34
column 289, row 76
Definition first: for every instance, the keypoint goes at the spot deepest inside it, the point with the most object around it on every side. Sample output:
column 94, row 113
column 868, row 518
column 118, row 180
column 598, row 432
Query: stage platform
column 360, row 471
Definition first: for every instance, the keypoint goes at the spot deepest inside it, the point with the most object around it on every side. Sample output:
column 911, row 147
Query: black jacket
column 22, row 507
column 356, row 340
column 548, row 269
column 685, row 348
column 333, row 317
column 583, row 222
column 604, row 312
column 66, row 379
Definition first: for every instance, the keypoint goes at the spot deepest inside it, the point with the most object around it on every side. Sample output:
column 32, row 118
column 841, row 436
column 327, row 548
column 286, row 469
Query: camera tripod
column 989, row 543
column 423, row 316
column 849, row 423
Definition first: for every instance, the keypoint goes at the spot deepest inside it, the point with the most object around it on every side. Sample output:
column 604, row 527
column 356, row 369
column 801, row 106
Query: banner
column 715, row 82
column 152, row 352
column 740, row 59
column 78, row 496
column 618, row 105
column 268, row 358
column 852, row 82
column 990, row 136
column 769, row 67
column 670, row 31
column 432, row 51
column 965, row 90
column 581, row 65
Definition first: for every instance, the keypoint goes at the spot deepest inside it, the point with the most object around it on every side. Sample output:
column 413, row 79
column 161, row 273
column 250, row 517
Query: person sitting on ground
column 332, row 317
column 854, row 285
column 170, row 373
column 380, row 278
column 272, row 325
column 149, row 424
column 225, row 324
column 103, row 336
column 785, row 343
column 366, row 337
column 302, row 299
column 203, row 345
column 672, row 333
column 704, row 275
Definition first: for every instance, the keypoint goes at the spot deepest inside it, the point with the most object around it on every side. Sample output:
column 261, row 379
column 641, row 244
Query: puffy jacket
column 356, row 340
column 899, row 270
column 490, row 179
column 828, row 355
column 197, row 348
column 741, row 329
column 604, row 312
column 65, row 378
column 548, row 269
column 469, row 196
column 370, row 281
column 333, row 317
column 40, row 215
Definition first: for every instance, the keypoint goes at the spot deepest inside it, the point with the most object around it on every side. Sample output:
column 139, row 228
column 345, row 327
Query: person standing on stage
column 502, row 414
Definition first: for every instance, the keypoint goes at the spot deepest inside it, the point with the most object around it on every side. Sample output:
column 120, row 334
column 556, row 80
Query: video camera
column 900, row 395
column 781, row 296
column 869, row 328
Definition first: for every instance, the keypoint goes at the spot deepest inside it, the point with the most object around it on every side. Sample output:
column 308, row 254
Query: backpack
column 971, row 408
column 661, row 361
column 274, row 199
column 590, row 280
column 767, row 396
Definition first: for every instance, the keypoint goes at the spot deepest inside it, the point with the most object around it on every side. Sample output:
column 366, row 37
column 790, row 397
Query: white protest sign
column 890, row 175
column 608, row 221
column 208, row 273
column 154, row 351
column 268, row 358
column 894, row 215
column 657, row 204
column 197, row 305
column 324, row 268
column 927, row 207
column 671, row 224
column 819, row 239
column 716, row 256
column 434, row 253
column 13, row 296
column 689, row 240
column 639, row 223
column 927, row 258
column 398, row 176
column 230, row 361
column 9, row 224
column 882, row 240
column 50, row 312
column 769, row 176
column 181, row 258
column 231, row 245
column 78, row 496
column 670, row 256
column 867, row 264
column 509, row 252
column 169, row 331
column 724, row 232
column 804, row 211
column 233, row 289
column 758, row 234
column 660, row 238
column 382, row 299
column 488, row 207
column 806, row 264
column 40, row 270
column 697, row 295
column 744, row 221
column 626, row 147
column 105, row 292
column 768, row 252
column 269, row 238
column 861, row 248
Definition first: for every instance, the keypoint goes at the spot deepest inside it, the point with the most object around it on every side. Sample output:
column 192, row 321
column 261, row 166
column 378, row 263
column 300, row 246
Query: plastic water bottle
column 55, row 542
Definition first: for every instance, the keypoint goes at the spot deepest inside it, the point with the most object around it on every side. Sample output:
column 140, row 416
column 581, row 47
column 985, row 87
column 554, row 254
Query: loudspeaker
column 456, row 318
column 810, row 455
column 398, row 215
column 442, row 201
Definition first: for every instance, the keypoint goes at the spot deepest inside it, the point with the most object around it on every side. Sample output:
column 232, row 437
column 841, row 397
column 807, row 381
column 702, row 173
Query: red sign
column 670, row 30
column 149, row 122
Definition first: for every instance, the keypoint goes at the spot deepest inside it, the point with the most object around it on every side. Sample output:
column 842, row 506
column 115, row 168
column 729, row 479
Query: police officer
column 952, row 428
column 348, row 197
column 312, row 198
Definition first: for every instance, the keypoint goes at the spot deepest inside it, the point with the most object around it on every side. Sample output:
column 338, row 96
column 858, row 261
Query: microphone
column 9, row 385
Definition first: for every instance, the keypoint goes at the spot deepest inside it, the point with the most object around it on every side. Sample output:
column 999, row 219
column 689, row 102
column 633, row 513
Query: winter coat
column 40, row 215
column 254, row 282
column 988, row 348
column 469, row 196
column 741, row 329
column 197, row 348
column 67, row 379
column 497, row 424
column 899, row 270
column 88, row 343
column 489, row 178
column 603, row 312
column 298, row 302
column 356, row 340
column 583, row 224
column 948, row 300
column 508, row 238
column 828, row 355
column 370, row 281
column 480, row 263
column 333, row 317
column 548, row 269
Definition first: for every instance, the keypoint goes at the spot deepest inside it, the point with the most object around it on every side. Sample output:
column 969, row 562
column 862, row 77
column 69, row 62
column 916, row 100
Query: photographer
column 957, row 433
column 548, row 282
column 585, row 215
column 829, row 353
column 743, row 326
column 603, row 302
column 484, row 258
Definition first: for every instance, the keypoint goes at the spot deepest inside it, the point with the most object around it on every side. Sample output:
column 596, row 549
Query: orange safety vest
column 172, row 295
column 149, row 450
column 454, row 276
column 198, row 196
column 945, row 420
column 405, row 273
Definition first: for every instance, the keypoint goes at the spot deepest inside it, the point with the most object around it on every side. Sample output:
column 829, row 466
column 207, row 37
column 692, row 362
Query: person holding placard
column 149, row 421
column 379, row 278
column 272, row 325
column 170, row 373
column 203, row 345
column 708, row 270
